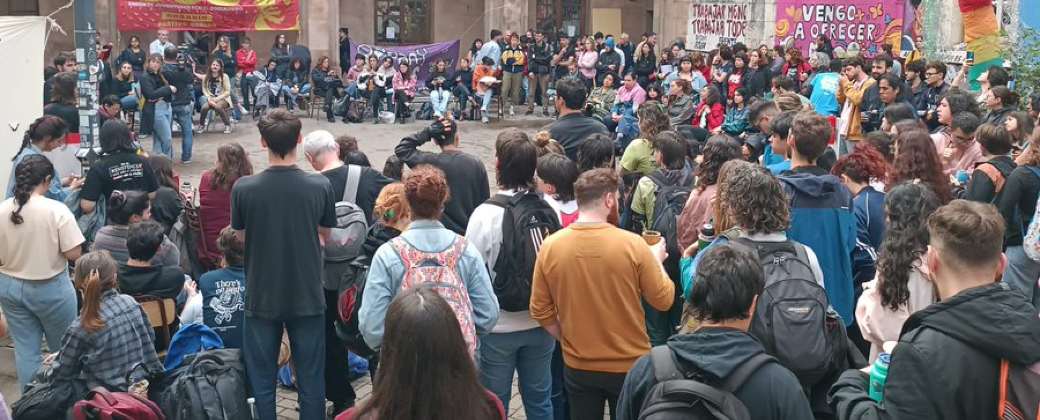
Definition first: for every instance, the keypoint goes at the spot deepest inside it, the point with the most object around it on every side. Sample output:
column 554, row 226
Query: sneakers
column 530, row 111
column 227, row 130
column 511, row 113
column 186, row 162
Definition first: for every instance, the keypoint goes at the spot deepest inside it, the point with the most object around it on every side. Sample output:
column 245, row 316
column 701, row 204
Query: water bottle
column 252, row 408
column 186, row 191
column 706, row 236
column 878, row 374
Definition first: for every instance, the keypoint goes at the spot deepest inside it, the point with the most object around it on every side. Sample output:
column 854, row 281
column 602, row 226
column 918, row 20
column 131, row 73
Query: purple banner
column 860, row 24
column 421, row 56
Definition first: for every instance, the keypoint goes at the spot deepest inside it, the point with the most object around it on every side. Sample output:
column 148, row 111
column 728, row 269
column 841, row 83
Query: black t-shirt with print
column 371, row 183
column 280, row 210
column 123, row 171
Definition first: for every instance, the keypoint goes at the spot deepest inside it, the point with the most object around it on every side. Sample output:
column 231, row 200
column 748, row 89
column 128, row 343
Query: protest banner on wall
column 865, row 24
column 208, row 15
column 422, row 57
column 716, row 22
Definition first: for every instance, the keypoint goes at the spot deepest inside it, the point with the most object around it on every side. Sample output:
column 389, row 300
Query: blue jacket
column 822, row 219
column 387, row 271
column 869, row 208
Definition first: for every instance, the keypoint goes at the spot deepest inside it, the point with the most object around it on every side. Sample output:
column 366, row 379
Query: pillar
column 319, row 28
column 506, row 15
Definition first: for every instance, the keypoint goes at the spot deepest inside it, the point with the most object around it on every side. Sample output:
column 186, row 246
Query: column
column 506, row 15
column 319, row 28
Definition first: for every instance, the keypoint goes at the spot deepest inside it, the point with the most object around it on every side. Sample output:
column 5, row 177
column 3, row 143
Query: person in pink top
column 587, row 63
column 631, row 92
column 404, row 90
column 955, row 142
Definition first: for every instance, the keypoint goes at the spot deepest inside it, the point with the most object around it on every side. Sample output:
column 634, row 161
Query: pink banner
column 864, row 24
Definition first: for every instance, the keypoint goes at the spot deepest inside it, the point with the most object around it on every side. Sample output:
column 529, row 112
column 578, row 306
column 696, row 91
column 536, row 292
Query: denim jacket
column 54, row 192
column 387, row 271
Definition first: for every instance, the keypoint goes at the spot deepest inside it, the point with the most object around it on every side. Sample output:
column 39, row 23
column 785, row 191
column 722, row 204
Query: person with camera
column 179, row 71
column 540, row 55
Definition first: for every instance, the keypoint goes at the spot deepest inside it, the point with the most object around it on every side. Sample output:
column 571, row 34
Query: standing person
column 324, row 153
column 935, row 89
column 158, row 93
column 280, row 54
column 901, row 287
column 698, row 209
column 645, row 64
column 246, row 59
column 465, row 174
column 45, row 134
column 955, row 140
column 540, row 55
column 181, row 77
column 428, row 252
column 1017, row 205
column 63, row 100
column 556, row 176
column 609, row 60
column 757, row 76
column 40, row 238
column 852, row 88
column 938, row 349
column 344, row 49
column 161, row 43
column 282, row 214
column 916, row 161
column 516, row 345
column 425, row 372
column 119, row 168
column 989, row 177
column 860, row 171
column 404, row 83
column 916, row 87
column 1000, row 104
column 215, row 196
column 565, row 56
column 491, row 49
column 573, row 127
column 133, row 54
column 723, row 302
column 216, row 94
column 514, row 61
column 825, row 86
column 587, row 60
column 593, row 304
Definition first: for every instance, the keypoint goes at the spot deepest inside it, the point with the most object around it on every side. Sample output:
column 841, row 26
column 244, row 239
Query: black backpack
column 212, row 386
column 348, row 304
column 527, row 221
column 793, row 318
column 669, row 201
column 680, row 395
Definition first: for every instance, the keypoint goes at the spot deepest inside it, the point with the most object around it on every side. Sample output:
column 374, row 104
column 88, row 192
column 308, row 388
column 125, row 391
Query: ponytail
column 95, row 273
column 30, row 173
column 47, row 126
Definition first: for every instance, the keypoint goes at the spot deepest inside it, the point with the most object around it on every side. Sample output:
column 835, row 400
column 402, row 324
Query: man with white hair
column 322, row 151
column 161, row 43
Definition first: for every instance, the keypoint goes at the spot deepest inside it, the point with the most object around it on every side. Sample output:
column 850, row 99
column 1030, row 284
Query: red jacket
column 214, row 215
column 246, row 60
column 716, row 115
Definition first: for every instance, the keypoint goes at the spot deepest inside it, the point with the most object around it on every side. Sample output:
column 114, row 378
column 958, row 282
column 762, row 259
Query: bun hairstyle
column 47, row 126
column 122, row 205
column 94, row 274
column 392, row 205
column 546, row 144
column 30, row 173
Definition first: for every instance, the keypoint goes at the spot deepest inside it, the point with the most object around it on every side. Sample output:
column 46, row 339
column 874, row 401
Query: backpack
column 793, row 319
column 355, row 112
column 440, row 270
column 346, row 239
column 679, row 395
column 188, row 340
column 1019, row 392
column 103, row 405
column 527, row 221
column 211, row 386
column 351, row 292
column 425, row 112
column 669, row 201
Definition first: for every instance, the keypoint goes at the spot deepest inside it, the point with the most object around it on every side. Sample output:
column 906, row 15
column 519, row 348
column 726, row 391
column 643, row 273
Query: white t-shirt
column 33, row 249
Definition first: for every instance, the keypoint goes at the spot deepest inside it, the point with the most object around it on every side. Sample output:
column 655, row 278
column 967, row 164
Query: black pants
column 587, row 391
column 401, row 101
column 331, row 93
column 147, row 118
column 337, row 371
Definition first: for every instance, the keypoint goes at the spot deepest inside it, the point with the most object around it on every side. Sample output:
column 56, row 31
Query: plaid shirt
column 104, row 358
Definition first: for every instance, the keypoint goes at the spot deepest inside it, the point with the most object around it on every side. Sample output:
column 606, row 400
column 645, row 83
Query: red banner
column 208, row 15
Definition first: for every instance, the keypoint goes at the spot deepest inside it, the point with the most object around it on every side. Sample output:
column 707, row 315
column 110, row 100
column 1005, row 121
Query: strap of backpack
column 994, row 175
column 663, row 361
column 745, row 370
column 353, row 179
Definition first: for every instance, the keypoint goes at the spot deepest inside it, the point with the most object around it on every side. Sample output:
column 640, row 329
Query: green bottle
column 878, row 375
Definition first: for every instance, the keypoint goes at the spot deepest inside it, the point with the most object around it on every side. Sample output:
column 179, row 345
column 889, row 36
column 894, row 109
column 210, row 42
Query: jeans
column 462, row 94
column 248, row 84
column 337, row 371
column 439, row 100
column 587, row 391
column 36, row 309
column 511, row 84
column 261, row 340
column 162, row 144
column 529, row 354
column 182, row 116
column 487, row 100
column 128, row 102
column 1022, row 273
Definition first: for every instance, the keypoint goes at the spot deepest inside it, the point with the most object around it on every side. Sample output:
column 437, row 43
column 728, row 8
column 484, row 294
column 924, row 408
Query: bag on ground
column 103, row 405
column 210, row 386
column 527, row 221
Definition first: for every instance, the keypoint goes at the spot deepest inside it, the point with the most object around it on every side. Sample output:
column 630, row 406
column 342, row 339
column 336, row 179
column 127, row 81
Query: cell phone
column 969, row 58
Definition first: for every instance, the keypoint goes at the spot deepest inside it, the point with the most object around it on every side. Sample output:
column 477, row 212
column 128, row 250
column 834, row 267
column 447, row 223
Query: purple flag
column 422, row 57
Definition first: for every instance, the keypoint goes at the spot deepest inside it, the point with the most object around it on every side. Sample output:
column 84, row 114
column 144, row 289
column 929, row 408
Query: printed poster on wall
column 865, row 24
column 716, row 22
column 208, row 15
column 422, row 57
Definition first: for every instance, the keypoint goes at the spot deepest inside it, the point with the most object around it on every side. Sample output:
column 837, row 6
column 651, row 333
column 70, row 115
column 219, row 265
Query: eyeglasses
column 930, row 74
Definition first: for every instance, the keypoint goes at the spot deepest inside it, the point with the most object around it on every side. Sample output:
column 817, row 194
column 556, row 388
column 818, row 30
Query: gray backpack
column 345, row 241
column 687, row 396
column 793, row 318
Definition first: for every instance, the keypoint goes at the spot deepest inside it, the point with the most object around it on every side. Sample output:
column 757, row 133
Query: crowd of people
column 805, row 238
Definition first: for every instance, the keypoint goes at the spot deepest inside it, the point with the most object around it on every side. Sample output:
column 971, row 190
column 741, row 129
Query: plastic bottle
column 878, row 375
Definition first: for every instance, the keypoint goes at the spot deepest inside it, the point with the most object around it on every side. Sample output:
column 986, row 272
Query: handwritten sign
column 716, row 22
column 862, row 24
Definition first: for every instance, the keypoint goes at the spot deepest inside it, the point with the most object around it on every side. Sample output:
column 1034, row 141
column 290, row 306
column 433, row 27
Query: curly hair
column 427, row 191
column 29, row 174
column 916, row 159
column 861, row 166
column 232, row 164
column 718, row 150
column 907, row 207
column 652, row 120
column 755, row 200
column 392, row 205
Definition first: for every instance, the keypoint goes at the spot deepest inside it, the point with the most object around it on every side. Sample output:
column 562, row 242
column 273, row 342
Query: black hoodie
column 946, row 365
column 771, row 393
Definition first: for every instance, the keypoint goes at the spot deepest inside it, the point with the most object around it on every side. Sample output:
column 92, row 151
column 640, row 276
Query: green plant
column 1025, row 54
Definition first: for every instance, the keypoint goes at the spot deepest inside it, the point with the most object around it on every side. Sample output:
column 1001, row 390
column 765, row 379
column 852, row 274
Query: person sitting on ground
column 573, row 127
column 901, row 286
column 556, row 176
column 218, row 299
column 722, row 302
column 425, row 351
column 125, row 208
column 476, row 307
column 120, row 168
column 111, row 338
column 940, row 350
column 638, row 158
column 466, row 176
column 138, row 277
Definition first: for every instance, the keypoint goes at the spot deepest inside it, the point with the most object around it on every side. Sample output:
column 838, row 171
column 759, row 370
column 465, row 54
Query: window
column 559, row 15
column 402, row 21
column 19, row 7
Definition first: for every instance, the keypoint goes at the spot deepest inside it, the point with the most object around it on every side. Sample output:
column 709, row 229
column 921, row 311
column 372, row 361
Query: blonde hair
column 392, row 205
column 546, row 144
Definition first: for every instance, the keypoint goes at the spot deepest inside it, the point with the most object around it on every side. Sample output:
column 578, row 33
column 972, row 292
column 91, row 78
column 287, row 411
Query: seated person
column 218, row 301
column 111, row 335
column 138, row 277
column 125, row 208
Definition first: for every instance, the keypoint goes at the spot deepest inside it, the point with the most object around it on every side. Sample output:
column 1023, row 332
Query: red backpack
column 103, row 405
column 1019, row 392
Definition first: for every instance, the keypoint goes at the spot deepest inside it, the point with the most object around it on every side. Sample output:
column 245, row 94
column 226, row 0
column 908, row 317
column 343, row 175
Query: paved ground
column 377, row 141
